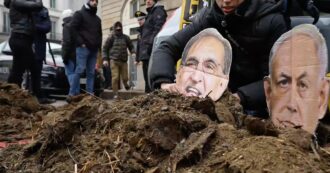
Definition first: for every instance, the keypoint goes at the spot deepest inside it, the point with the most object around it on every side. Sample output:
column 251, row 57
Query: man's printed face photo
column 297, row 92
column 201, row 74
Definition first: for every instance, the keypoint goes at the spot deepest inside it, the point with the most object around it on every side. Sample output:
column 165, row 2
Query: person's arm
column 75, row 25
column 137, row 57
column 163, row 61
column 160, row 19
column 66, row 43
column 24, row 5
column 252, row 96
column 100, row 35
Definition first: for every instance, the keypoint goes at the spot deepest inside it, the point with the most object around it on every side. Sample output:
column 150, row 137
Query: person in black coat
column 154, row 21
column 88, row 33
column 21, row 41
column 68, row 49
column 251, row 26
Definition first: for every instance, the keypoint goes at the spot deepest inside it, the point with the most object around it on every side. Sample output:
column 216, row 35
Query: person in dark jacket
column 154, row 21
column 107, row 70
column 88, row 33
column 251, row 26
column 68, row 49
column 115, row 50
column 141, row 18
column 43, row 26
column 21, row 41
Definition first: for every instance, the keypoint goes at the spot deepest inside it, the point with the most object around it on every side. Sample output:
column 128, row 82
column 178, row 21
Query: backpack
column 42, row 21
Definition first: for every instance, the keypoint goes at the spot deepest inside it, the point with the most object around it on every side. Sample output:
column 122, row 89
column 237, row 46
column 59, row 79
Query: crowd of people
column 245, row 46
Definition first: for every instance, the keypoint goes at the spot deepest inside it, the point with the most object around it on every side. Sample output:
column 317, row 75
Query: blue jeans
column 85, row 59
column 69, row 72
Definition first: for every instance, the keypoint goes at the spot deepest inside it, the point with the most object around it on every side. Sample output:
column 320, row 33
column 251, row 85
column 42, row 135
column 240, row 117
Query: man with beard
column 205, row 66
column 86, row 26
column 297, row 89
column 115, row 50
column 251, row 27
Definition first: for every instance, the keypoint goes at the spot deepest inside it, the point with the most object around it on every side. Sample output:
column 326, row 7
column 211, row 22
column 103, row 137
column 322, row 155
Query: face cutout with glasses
column 201, row 73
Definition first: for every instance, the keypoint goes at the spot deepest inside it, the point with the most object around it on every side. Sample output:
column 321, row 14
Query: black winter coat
column 21, row 15
column 153, row 24
column 87, row 27
column 115, row 47
column 255, row 26
column 138, row 43
column 68, row 41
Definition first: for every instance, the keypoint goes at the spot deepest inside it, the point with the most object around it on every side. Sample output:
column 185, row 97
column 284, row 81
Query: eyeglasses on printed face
column 209, row 67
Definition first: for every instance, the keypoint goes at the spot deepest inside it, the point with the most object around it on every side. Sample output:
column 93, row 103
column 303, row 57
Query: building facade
column 123, row 11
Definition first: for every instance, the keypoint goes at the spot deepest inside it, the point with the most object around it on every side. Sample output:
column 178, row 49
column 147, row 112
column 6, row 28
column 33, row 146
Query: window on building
column 53, row 31
column 6, row 23
column 134, row 31
column 52, row 3
column 133, row 7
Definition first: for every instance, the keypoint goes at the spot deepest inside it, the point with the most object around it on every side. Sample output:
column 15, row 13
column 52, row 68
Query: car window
column 56, row 48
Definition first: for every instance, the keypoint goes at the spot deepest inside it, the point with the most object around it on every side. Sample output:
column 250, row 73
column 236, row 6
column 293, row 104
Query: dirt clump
column 161, row 132
column 20, row 114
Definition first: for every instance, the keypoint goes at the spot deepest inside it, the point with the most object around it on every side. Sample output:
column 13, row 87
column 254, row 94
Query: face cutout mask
column 297, row 89
column 205, row 68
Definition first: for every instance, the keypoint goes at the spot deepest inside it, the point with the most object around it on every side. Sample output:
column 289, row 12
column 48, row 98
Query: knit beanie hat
column 67, row 13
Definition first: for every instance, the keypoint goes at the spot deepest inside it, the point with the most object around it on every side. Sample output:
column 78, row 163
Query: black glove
column 312, row 10
column 65, row 61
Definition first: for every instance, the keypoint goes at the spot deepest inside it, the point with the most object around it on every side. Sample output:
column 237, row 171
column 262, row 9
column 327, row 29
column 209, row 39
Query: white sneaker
column 115, row 96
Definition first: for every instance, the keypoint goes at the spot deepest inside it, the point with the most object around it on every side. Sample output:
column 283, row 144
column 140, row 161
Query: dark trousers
column 145, row 65
column 107, row 76
column 24, row 59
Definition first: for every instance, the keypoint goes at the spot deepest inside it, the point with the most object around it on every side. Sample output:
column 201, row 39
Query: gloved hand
column 105, row 63
column 312, row 10
column 65, row 61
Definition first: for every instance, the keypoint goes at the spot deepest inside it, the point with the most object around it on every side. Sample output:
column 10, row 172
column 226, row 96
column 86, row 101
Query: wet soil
column 159, row 132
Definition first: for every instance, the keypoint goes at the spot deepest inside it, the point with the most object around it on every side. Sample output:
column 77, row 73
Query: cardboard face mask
column 297, row 89
column 205, row 66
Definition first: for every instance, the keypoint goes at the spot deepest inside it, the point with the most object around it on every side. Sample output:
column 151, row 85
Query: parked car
column 53, row 78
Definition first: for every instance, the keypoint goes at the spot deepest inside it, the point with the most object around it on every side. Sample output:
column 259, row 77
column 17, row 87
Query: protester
column 43, row 26
column 154, row 21
column 88, row 33
column 107, row 70
column 115, row 50
column 297, row 90
column 21, row 40
column 251, row 26
column 140, row 16
column 68, row 50
column 205, row 67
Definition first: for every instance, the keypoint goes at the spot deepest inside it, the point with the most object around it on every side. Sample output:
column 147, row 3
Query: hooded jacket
column 87, row 27
column 115, row 47
column 68, row 43
column 154, row 22
column 21, row 15
column 251, row 30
